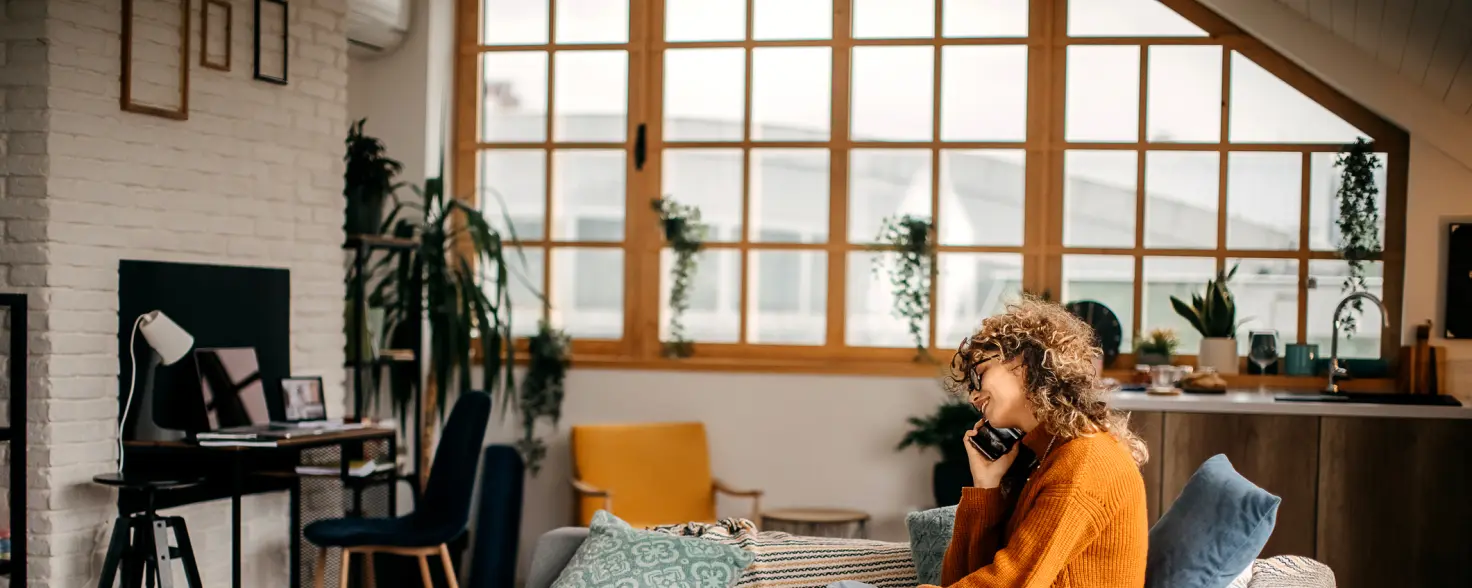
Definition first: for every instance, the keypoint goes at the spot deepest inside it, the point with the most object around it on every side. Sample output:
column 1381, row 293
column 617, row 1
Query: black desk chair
column 149, row 554
column 442, row 514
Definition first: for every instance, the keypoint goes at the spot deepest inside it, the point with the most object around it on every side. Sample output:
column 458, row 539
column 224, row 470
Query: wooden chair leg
column 371, row 579
column 321, row 580
column 449, row 568
column 424, row 572
column 347, row 558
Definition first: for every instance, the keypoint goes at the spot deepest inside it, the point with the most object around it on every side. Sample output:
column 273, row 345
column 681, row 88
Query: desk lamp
column 169, row 342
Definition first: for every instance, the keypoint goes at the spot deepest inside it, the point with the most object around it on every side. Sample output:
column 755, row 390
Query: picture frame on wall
column 272, row 48
column 215, row 18
column 155, row 22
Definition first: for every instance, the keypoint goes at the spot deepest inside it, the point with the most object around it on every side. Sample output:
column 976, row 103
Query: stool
column 818, row 522
column 148, row 555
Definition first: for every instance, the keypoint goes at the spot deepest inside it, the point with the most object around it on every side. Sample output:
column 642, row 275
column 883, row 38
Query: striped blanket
column 791, row 561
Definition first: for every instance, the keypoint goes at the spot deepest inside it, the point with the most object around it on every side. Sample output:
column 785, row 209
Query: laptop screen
column 230, row 378
column 302, row 398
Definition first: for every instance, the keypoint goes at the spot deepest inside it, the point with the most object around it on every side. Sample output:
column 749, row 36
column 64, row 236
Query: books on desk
column 267, row 435
column 238, row 443
column 356, row 468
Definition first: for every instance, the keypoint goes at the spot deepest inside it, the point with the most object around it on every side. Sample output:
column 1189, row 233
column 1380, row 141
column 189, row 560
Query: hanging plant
column 542, row 390
column 1359, row 220
column 685, row 233
column 909, row 242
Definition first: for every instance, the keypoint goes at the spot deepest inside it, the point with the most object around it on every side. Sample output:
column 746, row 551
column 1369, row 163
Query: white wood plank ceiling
column 1427, row 41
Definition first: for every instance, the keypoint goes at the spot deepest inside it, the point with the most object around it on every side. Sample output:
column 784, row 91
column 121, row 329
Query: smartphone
column 993, row 443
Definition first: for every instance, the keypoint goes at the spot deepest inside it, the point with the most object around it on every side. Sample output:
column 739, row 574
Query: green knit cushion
column 616, row 555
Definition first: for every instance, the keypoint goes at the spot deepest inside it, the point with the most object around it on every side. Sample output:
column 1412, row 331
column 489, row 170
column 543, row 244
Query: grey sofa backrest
column 554, row 550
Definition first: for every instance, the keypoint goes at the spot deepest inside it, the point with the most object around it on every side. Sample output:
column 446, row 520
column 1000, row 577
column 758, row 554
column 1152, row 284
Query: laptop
column 235, row 399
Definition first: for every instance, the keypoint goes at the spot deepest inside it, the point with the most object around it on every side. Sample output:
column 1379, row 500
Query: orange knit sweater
column 1079, row 522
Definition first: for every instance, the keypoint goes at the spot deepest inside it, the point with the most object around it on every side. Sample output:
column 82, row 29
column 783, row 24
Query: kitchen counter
column 1251, row 401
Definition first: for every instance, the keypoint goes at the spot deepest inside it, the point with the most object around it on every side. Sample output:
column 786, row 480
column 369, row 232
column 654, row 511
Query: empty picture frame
column 155, row 39
column 271, row 54
column 215, row 23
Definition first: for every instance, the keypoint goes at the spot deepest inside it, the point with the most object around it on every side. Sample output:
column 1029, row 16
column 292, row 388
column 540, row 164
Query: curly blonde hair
column 1057, row 352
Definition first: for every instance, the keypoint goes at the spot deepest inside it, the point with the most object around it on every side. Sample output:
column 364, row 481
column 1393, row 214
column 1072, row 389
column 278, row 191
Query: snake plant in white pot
column 1214, row 315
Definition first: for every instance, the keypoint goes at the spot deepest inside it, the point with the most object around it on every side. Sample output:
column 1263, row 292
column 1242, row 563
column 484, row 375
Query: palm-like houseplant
column 943, row 430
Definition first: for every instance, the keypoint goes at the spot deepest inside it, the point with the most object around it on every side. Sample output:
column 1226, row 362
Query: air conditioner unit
column 376, row 27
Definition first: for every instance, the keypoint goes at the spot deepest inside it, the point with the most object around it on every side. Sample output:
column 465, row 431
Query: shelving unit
column 15, row 434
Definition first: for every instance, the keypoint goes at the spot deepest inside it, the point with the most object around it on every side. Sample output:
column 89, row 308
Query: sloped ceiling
column 1429, row 42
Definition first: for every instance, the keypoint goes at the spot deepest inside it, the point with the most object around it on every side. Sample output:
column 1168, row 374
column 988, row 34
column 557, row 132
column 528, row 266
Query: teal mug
column 1300, row 359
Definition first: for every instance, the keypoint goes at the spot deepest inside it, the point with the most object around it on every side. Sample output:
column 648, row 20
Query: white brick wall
column 252, row 178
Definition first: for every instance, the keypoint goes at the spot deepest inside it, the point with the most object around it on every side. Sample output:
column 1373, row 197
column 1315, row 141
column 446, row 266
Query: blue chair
column 442, row 514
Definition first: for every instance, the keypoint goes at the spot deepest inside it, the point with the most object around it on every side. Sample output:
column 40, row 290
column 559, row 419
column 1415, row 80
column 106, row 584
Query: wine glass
column 1262, row 350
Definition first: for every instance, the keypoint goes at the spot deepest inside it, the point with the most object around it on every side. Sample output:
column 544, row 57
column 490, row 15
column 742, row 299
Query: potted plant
column 1358, row 222
column 1156, row 348
column 944, row 431
column 367, row 182
column 1214, row 315
column 909, row 244
column 685, row 234
column 542, row 390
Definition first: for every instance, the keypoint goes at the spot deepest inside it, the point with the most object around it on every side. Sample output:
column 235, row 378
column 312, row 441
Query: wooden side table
column 818, row 522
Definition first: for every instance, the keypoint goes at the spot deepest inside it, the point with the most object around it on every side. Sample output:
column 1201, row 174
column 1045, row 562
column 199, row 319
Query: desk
column 273, row 469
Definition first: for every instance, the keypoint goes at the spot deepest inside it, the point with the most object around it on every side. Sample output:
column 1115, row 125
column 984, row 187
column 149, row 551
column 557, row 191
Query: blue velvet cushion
column 1212, row 532
column 616, row 555
column 930, row 535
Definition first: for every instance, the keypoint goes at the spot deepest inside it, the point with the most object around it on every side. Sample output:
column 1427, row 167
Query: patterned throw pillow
column 930, row 535
column 616, row 555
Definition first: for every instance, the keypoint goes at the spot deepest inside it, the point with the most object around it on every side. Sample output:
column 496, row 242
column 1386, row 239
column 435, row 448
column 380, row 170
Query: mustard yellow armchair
column 648, row 474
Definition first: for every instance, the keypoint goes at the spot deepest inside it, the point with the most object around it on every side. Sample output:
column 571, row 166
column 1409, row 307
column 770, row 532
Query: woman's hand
column 986, row 473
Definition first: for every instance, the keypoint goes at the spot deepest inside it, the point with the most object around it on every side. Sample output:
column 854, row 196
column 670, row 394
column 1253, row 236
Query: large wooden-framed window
column 1121, row 151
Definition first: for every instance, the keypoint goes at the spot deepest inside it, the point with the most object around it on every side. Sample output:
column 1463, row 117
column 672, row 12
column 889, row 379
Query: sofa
column 556, row 548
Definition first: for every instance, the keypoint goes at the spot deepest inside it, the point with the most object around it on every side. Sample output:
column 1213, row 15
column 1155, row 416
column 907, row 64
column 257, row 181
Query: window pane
column 791, row 93
column 1127, row 18
column 705, row 20
column 514, row 84
column 788, row 297
column 714, row 315
column 893, row 91
column 592, row 21
column 525, row 283
column 1325, row 290
column 1266, row 109
column 704, row 94
column 974, row 286
column 1323, row 200
column 889, row 19
column 981, row 196
column 983, row 93
column 513, row 184
column 883, row 183
column 1179, row 277
column 789, row 195
column 1103, row 93
column 984, row 18
column 1264, row 197
column 1108, row 280
column 870, row 320
column 513, row 22
column 1099, row 198
column 1266, row 293
column 1181, row 199
column 711, row 180
column 1185, row 94
column 588, row 195
column 592, row 96
column 793, row 19
column 588, row 292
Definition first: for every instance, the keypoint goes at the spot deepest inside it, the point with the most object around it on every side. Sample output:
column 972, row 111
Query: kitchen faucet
column 1334, row 370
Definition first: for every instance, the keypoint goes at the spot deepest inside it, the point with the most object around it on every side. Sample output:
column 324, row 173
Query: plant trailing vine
column 685, row 234
column 542, row 390
column 1359, row 220
column 909, row 242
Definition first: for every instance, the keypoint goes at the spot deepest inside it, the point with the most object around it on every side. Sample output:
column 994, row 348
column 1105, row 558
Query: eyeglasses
column 973, row 378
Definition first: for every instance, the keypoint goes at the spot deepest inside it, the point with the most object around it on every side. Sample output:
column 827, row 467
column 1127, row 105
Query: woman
column 1069, row 509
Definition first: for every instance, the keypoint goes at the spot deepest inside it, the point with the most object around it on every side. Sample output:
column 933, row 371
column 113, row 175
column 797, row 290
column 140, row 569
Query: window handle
column 639, row 148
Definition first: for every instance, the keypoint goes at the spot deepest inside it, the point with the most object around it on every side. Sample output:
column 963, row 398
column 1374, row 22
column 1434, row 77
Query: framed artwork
column 145, row 20
column 271, row 46
column 215, row 24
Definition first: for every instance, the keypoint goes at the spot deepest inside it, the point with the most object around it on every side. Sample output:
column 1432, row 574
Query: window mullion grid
column 1306, row 185
column 935, row 165
column 1141, row 194
column 838, row 184
column 744, row 263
